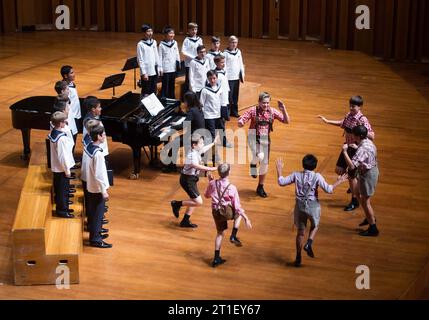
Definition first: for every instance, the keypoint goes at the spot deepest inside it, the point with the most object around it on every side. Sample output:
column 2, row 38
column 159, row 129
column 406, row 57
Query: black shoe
column 188, row 224
column 309, row 251
column 103, row 230
column 70, row 210
column 371, row 232
column 175, row 205
column 100, row 244
column 72, row 191
column 261, row 192
column 298, row 261
column 365, row 222
column 235, row 115
column 349, row 191
column 104, row 236
column 72, row 186
column 352, row 206
column 253, row 171
column 236, row 241
column 71, row 195
column 105, row 221
column 217, row 262
column 70, row 202
column 65, row 215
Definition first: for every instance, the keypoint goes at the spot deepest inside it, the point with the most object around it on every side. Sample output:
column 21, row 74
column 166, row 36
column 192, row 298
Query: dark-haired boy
column 365, row 162
column 307, row 206
column 69, row 76
column 351, row 120
column 169, row 56
column 97, row 185
column 189, row 179
column 198, row 69
column 214, row 52
column 148, row 60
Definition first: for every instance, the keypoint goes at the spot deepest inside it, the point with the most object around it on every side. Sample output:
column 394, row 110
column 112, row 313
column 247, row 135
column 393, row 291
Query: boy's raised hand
column 281, row 105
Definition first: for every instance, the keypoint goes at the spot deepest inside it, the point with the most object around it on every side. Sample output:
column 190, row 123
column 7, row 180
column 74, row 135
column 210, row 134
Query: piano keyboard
column 168, row 131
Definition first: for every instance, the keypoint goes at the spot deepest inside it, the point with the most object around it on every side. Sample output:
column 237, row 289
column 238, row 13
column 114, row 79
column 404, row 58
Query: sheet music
column 153, row 105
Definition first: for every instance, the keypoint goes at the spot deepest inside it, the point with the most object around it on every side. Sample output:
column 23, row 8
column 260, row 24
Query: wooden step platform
column 41, row 242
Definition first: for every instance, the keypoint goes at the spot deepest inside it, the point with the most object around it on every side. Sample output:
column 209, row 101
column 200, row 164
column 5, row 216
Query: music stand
column 113, row 81
column 131, row 64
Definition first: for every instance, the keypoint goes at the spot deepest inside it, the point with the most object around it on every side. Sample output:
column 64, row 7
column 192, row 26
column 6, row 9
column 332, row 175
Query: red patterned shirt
column 366, row 156
column 351, row 121
column 263, row 116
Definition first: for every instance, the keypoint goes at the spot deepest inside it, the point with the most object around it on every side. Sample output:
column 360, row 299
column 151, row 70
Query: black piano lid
column 122, row 106
column 40, row 104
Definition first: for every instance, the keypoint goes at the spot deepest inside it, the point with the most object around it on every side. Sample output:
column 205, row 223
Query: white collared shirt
column 147, row 57
column 222, row 77
column 198, row 74
column 189, row 48
column 96, row 177
column 75, row 111
column 103, row 145
column 234, row 64
column 211, row 55
column 168, row 55
column 211, row 100
column 61, row 152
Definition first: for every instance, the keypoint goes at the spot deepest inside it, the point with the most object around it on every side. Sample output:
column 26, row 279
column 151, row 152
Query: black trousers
column 85, row 197
column 214, row 124
column 234, row 86
column 168, row 85
column 96, row 206
column 149, row 87
column 61, row 193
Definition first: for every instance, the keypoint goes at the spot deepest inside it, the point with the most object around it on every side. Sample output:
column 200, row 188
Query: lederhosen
column 341, row 162
column 266, row 143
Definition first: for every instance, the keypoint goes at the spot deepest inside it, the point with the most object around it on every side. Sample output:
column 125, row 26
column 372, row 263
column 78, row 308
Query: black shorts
column 341, row 162
column 189, row 184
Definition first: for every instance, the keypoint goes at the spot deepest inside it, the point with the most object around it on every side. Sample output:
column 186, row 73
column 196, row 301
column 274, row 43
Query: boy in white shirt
column 148, row 60
column 235, row 73
column 189, row 179
column 169, row 58
column 61, row 163
column 189, row 49
column 97, row 185
column 69, row 76
column 214, row 52
column 198, row 69
column 93, row 106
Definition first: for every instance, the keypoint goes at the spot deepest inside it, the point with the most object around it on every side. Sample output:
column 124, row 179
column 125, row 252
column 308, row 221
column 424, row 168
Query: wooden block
column 32, row 211
column 63, row 237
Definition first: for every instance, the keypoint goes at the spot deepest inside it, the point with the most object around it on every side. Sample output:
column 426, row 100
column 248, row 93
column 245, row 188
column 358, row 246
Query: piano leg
column 26, row 142
column 137, row 157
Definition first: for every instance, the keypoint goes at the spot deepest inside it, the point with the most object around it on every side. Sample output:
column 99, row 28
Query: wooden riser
column 45, row 271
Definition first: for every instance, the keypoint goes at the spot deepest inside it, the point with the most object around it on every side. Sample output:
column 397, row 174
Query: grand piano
column 125, row 119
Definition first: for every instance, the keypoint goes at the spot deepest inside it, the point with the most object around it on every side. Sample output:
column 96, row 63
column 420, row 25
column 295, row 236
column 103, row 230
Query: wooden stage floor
column 154, row 259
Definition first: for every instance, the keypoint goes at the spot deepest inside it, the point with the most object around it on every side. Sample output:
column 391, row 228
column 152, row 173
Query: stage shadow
column 14, row 160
